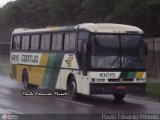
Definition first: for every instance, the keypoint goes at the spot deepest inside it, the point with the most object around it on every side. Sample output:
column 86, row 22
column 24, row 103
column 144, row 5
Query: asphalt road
column 12, row 101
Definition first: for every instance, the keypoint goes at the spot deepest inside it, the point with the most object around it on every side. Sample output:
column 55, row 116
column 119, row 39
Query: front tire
column 72, row 88
column 119, row 97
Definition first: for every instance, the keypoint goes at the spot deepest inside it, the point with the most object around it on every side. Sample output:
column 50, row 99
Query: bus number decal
column 110, row 75
column 31, row 59
column 15, row 58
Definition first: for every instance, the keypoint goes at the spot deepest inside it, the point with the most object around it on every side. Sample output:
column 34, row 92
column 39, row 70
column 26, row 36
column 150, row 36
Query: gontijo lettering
column 29, row 58
column 25, row 58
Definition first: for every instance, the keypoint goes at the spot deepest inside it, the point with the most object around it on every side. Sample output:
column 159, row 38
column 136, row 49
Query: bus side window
column 70, row 41
column 45, row 42
column 25, row 42
column 66, row 42
column 16, row 42
column 35, row 42
column 83, row 36
column 54, row 40
column 59, row 42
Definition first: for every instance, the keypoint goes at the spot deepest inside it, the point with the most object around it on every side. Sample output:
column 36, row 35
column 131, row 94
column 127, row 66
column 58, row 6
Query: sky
column 3, row 2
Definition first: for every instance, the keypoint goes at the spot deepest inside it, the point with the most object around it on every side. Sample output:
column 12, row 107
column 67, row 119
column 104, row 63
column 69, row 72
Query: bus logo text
column 25, row 58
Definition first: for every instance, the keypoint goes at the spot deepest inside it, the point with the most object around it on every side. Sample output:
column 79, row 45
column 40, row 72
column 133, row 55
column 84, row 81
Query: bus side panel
column 13, row 73
column 54, row 61
column 64, row 73
column 44, row 72
column 18, row 72
column 36, row 75
column 79, row 81
column 82, row 82
column 47, row 72
column 69, row 66
column 86, row 86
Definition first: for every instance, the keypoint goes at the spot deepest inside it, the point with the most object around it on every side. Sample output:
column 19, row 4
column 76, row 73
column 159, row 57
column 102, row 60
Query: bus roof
column 111, row 28
column 96, row 28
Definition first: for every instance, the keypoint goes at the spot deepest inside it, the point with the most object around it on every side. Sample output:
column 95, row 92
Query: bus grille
column 120, row 80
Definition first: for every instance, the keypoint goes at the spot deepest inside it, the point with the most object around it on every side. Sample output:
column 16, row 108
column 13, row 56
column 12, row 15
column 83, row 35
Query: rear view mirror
column 84, row 58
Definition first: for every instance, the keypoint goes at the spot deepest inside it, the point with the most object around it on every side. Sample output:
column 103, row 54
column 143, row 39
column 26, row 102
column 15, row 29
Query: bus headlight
column 100, row 80
column 93, row 80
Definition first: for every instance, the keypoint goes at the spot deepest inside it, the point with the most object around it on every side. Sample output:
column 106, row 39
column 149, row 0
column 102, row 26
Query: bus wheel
column 72, row 88
column 119, row 97
column 26, row 84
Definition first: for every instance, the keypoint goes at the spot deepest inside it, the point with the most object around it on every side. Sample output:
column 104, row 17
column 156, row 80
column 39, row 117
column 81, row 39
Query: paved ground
column 12, row 101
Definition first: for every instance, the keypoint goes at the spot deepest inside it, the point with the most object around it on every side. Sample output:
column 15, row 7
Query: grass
column 153, row 90
column 156, row 53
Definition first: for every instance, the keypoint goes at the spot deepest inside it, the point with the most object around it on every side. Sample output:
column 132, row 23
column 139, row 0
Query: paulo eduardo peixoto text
column 40, row 93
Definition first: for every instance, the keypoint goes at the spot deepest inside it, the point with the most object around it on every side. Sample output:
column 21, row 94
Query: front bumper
column 117, row 88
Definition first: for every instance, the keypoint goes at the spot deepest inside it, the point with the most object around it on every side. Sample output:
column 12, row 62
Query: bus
column 89, row 59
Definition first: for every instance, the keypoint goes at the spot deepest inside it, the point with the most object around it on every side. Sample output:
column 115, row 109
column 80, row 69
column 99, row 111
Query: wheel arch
column 25, row 74
column 69, row 78
column 75, row 95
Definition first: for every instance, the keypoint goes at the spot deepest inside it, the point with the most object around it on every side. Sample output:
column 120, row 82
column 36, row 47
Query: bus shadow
column 105, row 102
column 109, row 102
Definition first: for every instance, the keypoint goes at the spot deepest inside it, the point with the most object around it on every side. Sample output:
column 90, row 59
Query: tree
column 153, row 18
column 97, row 10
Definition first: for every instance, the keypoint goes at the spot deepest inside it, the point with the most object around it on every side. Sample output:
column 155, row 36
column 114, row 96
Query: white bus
column 88, row 59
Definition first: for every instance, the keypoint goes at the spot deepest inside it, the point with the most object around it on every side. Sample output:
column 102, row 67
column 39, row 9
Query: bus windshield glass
column 116, row 51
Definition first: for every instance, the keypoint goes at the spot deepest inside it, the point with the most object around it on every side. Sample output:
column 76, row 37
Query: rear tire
column 119, row 97
column 72, row 88
column 26, row 84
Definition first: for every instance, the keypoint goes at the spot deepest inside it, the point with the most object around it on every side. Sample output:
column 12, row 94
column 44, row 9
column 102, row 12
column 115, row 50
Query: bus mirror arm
column 79, row 60
column 146, row 49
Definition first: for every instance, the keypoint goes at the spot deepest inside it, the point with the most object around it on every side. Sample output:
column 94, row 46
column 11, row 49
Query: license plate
column 120, row 87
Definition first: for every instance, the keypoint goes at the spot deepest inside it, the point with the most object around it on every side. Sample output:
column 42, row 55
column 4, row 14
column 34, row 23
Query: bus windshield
column 116, row 51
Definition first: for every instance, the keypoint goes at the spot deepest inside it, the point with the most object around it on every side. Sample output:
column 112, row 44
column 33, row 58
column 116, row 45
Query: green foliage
column 153, row 18
column 153, row 90
column 97, row 10
column 42, row 13
column 65, row 12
